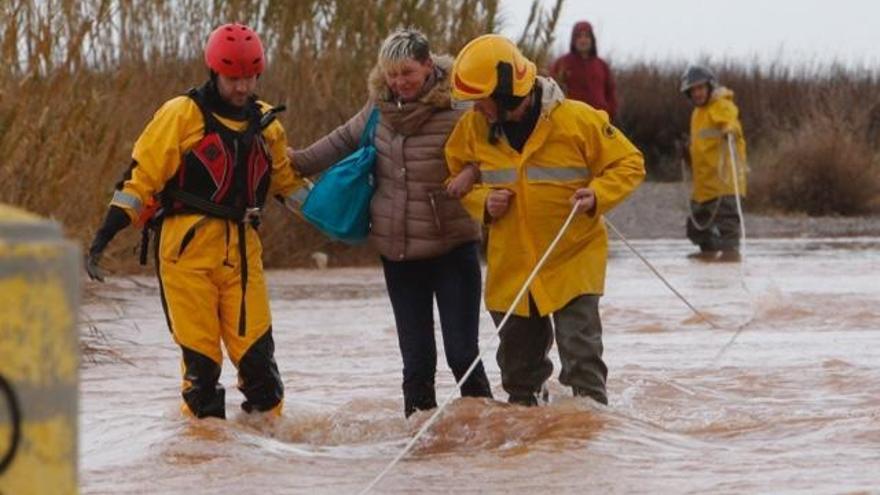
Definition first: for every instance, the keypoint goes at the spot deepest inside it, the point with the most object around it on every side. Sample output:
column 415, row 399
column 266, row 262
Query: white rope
column 709, row 321
column 440, row 409
column 663, row 279
column 701, row 227
column 434, row 417
column 731, row 148
column 738, row 329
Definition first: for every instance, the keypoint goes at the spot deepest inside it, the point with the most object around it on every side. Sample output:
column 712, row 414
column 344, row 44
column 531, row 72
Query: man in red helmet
column 210, row 158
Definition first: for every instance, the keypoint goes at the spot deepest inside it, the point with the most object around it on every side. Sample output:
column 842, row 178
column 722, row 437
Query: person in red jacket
column 583, row 75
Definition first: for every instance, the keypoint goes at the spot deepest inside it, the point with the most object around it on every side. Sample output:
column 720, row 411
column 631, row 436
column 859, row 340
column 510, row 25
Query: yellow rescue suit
column 572, row 146
column 199, row 255
column 710, row 155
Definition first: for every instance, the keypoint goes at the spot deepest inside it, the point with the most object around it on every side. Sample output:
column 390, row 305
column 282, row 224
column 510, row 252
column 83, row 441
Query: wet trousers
column 525, row 345
column 199, row 269
column 454, row 279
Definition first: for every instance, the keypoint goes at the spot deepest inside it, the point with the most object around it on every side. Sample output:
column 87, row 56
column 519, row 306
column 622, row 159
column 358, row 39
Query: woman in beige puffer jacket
column 427, row 241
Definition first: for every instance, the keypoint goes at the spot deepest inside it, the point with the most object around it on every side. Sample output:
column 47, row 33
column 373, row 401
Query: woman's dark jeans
column 454, row 279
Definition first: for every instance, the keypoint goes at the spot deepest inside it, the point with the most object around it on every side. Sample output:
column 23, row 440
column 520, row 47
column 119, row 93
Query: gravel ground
column 657, row 210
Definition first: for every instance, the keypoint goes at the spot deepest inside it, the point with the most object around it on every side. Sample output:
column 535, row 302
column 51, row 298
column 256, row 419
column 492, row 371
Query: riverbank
column 657, row 210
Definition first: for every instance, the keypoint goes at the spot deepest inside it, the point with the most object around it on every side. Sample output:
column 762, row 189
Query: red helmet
column 235, row 50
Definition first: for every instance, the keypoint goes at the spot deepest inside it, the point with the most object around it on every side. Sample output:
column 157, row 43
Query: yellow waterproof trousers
column 199, row 265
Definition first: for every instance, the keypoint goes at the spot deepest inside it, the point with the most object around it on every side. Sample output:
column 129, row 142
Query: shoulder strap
column 369, row 134
column 254, row 127
column 211, row 124
column 270, row 116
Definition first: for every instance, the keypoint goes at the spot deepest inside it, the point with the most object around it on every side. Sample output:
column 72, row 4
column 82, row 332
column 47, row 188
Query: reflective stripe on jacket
column 572, row 146
column 710, row 155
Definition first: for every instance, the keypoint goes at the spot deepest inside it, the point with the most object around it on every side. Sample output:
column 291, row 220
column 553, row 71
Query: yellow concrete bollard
column 39, row 356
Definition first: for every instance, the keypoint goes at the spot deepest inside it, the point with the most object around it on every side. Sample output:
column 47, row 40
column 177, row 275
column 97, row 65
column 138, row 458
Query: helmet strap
column 505, row 100
column 495, row 132
column 503, row 95
column 505, row 79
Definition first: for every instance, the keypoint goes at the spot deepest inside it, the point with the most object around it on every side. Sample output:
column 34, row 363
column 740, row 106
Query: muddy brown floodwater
column 793, row 406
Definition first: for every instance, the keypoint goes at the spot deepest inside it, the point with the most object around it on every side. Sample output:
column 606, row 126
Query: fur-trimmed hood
column 438, row 96
column 721, row 92
column 407, row 118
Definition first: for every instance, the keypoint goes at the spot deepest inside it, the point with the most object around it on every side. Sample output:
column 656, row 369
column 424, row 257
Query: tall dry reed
column 80, row 79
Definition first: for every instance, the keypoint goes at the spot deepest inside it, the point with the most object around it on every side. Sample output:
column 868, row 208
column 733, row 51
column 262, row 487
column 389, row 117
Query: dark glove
column 115, row 221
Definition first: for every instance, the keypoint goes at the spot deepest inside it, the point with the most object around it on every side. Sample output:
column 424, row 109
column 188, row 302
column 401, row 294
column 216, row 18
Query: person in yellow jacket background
column 212, row 157
column 535, row 154
column 714, row 224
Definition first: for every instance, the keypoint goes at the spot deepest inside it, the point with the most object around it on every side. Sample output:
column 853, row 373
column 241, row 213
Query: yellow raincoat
column 572, row 146
column 710, row 155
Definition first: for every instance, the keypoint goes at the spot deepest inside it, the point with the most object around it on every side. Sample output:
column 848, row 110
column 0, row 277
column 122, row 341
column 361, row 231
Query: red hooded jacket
column 587, row 79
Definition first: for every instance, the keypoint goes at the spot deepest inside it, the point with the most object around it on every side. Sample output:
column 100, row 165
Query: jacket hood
column 582, row 27
column 721, row 92
column 551, row 94
column 439, row 96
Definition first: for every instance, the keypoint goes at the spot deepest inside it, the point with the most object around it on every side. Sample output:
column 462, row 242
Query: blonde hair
column 403, row 45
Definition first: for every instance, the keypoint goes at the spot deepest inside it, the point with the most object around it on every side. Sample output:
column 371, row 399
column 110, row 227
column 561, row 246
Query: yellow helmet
column 491, row 65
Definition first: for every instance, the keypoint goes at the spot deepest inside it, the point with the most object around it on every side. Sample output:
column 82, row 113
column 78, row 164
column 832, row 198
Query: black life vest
column 227, row 172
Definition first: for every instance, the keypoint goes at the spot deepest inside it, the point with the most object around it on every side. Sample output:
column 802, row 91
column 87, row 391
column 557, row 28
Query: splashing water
column 793, row 406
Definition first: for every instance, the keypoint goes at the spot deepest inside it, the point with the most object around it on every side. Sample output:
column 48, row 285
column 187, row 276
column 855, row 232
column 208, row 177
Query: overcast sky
column 793, row 31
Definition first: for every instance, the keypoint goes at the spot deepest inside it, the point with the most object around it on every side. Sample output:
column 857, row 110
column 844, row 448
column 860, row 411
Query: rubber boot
column 601, row 398
column 542, row 398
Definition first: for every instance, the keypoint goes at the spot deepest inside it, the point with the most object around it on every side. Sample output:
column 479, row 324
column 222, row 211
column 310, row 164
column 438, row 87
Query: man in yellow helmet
column 212, row 157
column 536, row 154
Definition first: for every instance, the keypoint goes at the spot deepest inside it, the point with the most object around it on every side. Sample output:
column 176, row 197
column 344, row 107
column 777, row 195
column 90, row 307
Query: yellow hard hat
column 491, row 64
